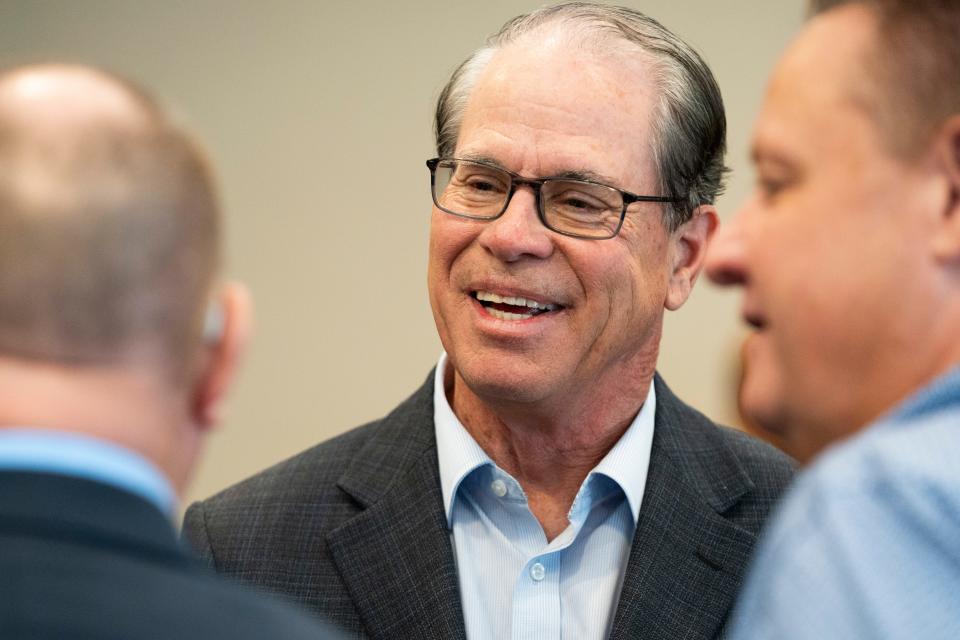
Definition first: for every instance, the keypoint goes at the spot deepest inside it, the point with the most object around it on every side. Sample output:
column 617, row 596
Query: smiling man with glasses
column 544, row 482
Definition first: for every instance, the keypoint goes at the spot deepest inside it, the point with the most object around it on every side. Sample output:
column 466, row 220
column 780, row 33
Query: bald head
column 108, row 223
column 61, row 96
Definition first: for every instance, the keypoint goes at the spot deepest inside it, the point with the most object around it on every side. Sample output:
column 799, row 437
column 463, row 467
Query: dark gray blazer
column 81, row 560
column 354, row 528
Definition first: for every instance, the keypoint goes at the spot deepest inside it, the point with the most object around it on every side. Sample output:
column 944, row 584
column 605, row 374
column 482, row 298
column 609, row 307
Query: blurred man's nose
column 726, row 264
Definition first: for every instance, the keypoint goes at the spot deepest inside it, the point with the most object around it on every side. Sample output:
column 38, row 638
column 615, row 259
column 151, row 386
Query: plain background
column 318, row 117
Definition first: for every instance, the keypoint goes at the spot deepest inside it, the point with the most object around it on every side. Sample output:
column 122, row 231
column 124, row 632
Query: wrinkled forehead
column 565, row 102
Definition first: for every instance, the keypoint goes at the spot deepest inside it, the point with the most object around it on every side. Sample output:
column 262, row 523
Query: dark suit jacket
column 80, row 559
column 354, row 528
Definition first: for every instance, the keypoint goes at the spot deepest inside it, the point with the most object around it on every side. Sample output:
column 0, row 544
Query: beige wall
column 297, row 102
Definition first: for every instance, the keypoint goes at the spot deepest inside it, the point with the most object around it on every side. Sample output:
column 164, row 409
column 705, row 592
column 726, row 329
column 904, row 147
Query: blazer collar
column 397, row 561
column 88, row 512
column 395, row 557
column 685, row 564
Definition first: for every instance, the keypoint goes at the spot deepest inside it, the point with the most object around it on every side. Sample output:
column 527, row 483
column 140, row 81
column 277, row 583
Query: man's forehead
column 564, row 102
column 819, row 80
column 827, row 59
column 555, row 54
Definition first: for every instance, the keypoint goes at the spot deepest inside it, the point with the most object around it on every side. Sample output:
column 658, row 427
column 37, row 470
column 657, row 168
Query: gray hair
column 689, row 127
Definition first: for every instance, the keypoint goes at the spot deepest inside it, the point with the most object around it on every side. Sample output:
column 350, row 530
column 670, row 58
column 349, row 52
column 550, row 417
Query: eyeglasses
column 577, row 208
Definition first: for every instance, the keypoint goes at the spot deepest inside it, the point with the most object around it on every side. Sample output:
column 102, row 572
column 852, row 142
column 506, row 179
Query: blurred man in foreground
column 109, row 242
column 543, row 482
column 849, row 257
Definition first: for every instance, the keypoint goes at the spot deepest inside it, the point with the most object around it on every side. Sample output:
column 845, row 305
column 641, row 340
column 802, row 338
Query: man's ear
column 947, row 150
column 226, row 335
column 689, row 249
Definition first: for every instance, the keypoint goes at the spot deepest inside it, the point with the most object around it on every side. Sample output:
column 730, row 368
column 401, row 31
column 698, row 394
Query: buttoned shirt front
column 513, row 582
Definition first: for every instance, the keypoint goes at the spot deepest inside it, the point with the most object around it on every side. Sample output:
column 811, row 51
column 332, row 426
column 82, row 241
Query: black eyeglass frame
column 537, row 184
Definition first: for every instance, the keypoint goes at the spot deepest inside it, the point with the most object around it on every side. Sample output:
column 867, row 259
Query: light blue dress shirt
column 71, row 454
column 513, row 583
column 867, row 542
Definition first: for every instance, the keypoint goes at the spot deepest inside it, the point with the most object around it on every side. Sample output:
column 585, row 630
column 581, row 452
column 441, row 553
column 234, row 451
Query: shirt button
column 537, row 572
column 499, row 488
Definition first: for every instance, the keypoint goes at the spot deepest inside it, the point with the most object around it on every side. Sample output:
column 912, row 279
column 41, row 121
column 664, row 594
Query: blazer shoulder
column 311, row 470
column 273, row 530
column 766, row 465
column 332, row 479
column 723, row 462
column 218, row 527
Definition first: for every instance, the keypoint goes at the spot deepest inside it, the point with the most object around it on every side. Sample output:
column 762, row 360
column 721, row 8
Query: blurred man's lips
column 504, row 307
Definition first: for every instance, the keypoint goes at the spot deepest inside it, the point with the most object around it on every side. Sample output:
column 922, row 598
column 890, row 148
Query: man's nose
column 518, row 233
column 726, row 258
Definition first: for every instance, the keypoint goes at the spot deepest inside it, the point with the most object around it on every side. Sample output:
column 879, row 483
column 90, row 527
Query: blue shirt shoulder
column 867, row 542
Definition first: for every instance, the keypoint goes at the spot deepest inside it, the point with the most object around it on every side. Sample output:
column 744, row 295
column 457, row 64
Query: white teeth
column 504, row 315
column 486, row 296
column 483, row 296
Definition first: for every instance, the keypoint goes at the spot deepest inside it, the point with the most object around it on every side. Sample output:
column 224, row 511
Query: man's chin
column 494, row 391
column 795, row 433
column 764, row 415
column 494, row 385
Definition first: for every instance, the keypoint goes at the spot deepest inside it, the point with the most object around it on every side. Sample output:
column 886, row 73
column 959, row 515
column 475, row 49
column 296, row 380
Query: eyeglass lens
column 481, row 191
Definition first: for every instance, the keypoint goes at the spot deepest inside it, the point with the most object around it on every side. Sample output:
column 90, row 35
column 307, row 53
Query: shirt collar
column 459, row 454
column 72, row 454
column 629, row 460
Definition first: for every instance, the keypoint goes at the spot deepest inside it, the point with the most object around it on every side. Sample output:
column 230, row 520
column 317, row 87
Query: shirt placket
column 537, row 611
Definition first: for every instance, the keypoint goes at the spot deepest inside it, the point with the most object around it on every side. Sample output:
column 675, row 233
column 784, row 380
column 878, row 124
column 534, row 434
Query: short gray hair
column 689, row 126
column 109, row 234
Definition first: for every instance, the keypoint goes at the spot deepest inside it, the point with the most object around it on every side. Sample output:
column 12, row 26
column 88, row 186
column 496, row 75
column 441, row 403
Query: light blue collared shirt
column 866, row 545
column 71, row 454
column 513, row 583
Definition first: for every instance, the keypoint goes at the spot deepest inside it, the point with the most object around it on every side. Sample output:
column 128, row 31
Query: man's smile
column 512, row 308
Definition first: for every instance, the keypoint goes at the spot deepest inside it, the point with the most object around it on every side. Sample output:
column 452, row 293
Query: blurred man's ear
column 947, row 150
column 690, row 243
column 226, row 335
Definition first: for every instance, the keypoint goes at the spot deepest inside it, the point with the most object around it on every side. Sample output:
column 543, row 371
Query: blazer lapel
column 395, row 557
column 685, row 563
column 686, row 560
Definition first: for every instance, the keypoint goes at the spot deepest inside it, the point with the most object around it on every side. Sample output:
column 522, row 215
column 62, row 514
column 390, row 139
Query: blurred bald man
column 109, row 242
column 849, row 258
